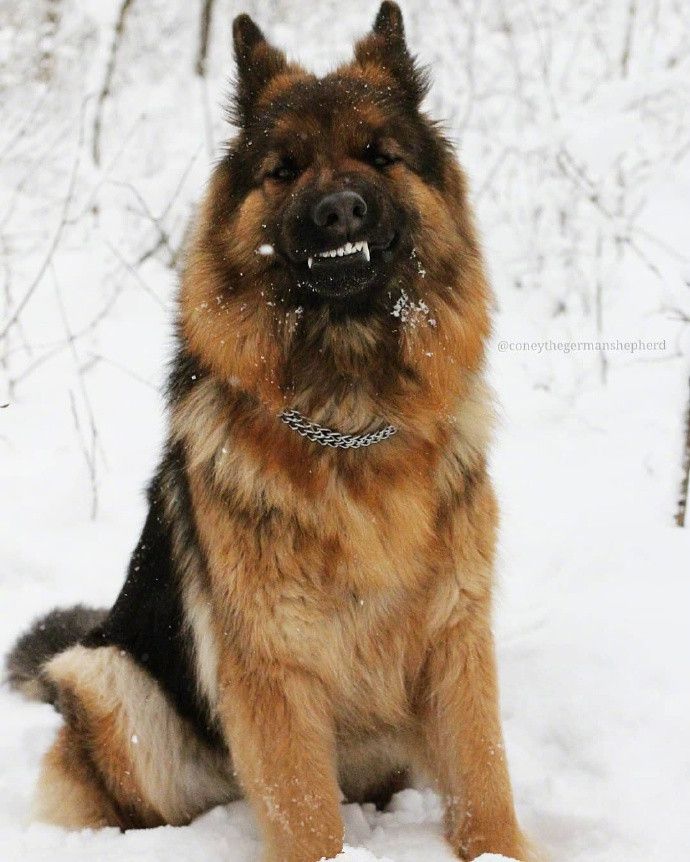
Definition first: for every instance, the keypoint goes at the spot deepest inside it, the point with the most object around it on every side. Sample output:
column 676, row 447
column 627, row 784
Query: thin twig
column 163, row 236
column 627, row 40
column 576, row 173
column 40, row 159
column 95, row 358
column 55, row 348
column 133, row 272
column 57, row 234
column 681, row 511
column 24, row 124
column 90, row 449
column 108, row 78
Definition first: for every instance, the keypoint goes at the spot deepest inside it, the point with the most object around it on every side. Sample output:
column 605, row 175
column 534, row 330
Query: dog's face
column 325, row 166
column 335, row 253
column 337, row 218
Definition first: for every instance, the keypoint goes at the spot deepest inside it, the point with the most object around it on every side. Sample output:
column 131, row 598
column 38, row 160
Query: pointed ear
column 257, row 63
column 389, row 21
column 385, row 48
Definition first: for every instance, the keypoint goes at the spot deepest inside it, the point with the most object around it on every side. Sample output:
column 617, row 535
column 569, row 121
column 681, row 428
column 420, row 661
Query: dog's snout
column 340, row 214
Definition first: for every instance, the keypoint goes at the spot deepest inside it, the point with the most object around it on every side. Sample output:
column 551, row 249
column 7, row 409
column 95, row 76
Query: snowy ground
column 574, row 126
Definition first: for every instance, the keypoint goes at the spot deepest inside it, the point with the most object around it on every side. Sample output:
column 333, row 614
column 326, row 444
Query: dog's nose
column 340, row 214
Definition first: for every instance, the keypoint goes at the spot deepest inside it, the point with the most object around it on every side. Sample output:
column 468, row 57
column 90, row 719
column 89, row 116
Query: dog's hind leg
column 70, row 792
column 124, row 757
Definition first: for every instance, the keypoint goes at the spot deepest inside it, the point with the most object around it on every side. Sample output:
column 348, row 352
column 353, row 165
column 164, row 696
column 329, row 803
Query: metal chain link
column 334, row 439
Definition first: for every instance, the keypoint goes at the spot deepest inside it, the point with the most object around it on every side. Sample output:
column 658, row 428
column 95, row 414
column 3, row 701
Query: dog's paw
column 497, row 848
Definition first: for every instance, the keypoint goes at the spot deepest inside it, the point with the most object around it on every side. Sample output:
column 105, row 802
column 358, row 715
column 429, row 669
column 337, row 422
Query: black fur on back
column 147, row 619
column 49, row 635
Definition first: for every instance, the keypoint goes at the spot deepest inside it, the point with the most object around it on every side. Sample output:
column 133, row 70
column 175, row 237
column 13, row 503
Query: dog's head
column 327, row 164
column 335, row 241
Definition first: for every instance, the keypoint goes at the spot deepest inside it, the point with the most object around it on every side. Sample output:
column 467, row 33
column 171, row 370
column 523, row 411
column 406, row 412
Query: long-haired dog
column 308, row 609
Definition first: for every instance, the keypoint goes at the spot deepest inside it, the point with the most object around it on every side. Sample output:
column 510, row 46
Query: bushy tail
column 48, row 636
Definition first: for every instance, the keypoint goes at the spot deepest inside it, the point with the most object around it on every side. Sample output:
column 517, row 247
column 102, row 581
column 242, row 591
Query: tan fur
column 199, row 614
column 125, row 757
column 69, row 792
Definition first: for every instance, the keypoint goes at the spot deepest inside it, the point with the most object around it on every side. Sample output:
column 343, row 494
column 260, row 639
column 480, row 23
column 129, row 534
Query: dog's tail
column 48, row 636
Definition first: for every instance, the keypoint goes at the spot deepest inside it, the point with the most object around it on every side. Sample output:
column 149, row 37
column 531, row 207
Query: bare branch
column 118, row 32
column 628, row 38
column 57, row 234
column 134, row 273
column 681, row 511
column 204, row 30
column 90, row 445
column 25, row 124
column 163, row 236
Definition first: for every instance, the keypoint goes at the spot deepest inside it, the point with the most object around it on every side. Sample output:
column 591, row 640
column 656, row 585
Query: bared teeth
column 345, row 250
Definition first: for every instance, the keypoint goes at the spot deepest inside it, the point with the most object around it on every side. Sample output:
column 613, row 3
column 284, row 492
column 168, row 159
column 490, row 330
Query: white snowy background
column 572, row 119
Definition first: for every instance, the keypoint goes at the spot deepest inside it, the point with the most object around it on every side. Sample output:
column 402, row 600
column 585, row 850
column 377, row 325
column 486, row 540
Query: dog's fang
column 365, row 249
column 310, row 261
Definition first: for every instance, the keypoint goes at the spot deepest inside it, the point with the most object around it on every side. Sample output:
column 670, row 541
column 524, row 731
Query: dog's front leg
column 281, row 737
column 465, row 742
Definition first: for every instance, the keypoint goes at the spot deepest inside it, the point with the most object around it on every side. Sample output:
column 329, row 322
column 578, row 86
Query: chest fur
column 326, row 561
column 329, row 579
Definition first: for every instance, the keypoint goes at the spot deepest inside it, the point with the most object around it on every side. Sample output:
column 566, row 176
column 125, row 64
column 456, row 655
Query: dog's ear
column 385, row 47
column 389, row 21
column 257, row 63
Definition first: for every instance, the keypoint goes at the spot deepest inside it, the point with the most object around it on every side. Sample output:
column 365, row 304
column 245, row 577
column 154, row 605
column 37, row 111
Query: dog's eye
column 378, row 158
column 285, row 172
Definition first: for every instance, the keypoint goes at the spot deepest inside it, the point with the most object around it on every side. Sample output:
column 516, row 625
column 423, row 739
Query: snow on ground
column 573, row 124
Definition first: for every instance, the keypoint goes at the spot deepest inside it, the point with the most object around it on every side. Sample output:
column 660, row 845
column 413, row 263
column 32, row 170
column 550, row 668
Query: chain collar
column 334, row 439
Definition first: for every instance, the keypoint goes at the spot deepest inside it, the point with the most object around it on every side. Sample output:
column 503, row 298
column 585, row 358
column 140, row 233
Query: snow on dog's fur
column 299, row 619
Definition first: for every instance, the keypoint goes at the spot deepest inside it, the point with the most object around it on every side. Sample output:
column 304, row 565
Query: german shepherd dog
column 308, row 610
